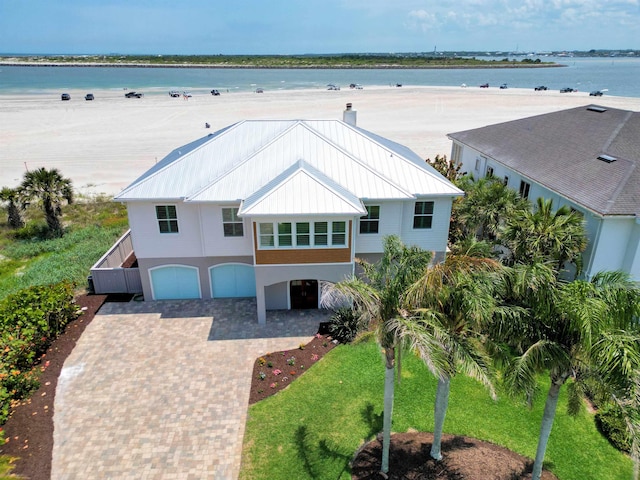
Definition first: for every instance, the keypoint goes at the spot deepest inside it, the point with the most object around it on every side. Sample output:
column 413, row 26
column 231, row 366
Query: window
column 231, row 224
column 266, row 234
column 338, row 233
column 423, row 215
column 302, row 234
column 489, row 171
column 505, row 181
column 524, row 189
column 285, row 238
column 303, row 238
column 320, row 231
column 455, row 153
column 369, row 222
column 167, row 218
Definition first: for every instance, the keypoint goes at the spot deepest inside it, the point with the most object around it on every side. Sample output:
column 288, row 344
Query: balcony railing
column 110, row 274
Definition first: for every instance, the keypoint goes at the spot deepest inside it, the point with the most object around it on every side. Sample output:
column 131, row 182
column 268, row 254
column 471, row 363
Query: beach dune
column 105, row 144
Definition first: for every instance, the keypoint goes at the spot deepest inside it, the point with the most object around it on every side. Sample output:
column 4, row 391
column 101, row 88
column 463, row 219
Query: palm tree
column 52, row 189
column 453, row 301
column 377, row 302
column 579, row 331
column 14, row 216
column 544, row 235
column 487, row 204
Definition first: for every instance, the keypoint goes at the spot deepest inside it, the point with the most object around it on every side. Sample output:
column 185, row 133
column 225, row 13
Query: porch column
column 261, row 305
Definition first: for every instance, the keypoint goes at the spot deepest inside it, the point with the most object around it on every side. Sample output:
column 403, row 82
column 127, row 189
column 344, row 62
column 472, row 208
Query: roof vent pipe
column 349, row 116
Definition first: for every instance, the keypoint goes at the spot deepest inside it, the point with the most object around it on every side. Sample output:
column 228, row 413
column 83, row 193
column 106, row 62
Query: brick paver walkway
column 159, row 390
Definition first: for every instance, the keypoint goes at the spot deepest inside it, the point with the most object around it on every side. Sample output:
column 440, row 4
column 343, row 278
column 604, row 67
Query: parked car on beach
column 134, row 95
column 540, row 88
column 174, row 94
column 331, row 86
column 89, row 96
column 484, row 85
column 215, row 92
column 259, row 90
column 567, row 90
column 65, row 96
column 503, row 86
column 596, row 93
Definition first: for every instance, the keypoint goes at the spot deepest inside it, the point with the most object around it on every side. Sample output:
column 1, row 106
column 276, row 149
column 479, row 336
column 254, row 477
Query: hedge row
column 29, row 321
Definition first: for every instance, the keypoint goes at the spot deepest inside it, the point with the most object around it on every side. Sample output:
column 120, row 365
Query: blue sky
column 311, row 26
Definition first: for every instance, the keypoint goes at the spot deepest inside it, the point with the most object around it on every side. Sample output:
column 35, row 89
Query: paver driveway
column 159, row 390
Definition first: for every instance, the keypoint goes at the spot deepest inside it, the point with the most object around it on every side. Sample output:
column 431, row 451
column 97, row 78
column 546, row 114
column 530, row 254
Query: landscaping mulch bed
column 29, row 429
column 279, row 369
column 464, row 458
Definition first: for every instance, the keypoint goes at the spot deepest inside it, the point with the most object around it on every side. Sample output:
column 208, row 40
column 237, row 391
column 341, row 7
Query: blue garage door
column 175, row 283
column 233, row 281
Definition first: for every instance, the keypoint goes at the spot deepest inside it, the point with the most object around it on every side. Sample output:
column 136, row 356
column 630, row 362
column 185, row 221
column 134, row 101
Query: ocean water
column 619, row 76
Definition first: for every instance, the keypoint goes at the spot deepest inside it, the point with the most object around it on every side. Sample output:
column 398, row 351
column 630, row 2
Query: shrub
column 344, row 325
column 29, row 321
column 610, row 422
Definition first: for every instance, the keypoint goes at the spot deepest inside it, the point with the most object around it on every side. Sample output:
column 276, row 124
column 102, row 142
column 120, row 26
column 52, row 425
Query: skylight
column 607, row 158
column 595, row 108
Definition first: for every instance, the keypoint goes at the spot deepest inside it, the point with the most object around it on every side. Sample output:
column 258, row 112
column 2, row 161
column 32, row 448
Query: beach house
column 587, row 158
column 272, row 209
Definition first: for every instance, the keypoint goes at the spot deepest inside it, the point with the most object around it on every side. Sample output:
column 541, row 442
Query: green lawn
column 312, row 429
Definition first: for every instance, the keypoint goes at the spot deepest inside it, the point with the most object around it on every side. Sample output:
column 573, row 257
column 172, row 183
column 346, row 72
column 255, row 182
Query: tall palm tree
column 376, row 299
column 11, row 197
column 542, row 235
column 453, row 301
column 52, row 189
column 578, row 331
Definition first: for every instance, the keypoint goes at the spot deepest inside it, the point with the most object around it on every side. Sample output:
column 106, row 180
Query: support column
column 261, row 305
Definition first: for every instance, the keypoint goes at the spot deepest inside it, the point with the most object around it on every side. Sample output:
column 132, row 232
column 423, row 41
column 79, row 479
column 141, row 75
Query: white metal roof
column 244, row 159
column 315, row 194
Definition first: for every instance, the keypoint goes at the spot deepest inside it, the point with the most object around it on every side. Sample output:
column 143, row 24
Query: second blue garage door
column 233, row 281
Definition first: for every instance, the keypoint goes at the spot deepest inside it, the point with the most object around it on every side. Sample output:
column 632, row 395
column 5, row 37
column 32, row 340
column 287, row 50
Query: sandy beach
column 103, row 145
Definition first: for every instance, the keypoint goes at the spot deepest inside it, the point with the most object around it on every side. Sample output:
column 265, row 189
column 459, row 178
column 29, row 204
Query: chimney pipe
column 349, row 116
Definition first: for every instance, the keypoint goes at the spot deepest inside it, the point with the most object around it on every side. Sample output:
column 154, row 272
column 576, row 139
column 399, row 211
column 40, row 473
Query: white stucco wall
column 214, row 241
column 617, row 247
column 149, row 242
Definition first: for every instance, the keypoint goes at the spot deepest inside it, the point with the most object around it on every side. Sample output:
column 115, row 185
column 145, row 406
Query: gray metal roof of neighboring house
column 560, row 151
column 235, row 163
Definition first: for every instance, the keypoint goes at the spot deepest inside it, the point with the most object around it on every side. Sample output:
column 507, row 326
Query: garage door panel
column 175, row 283
column 233, row 281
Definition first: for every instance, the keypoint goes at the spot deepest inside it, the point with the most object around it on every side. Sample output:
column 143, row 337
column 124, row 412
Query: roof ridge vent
column 606, row 158
column 596, row 108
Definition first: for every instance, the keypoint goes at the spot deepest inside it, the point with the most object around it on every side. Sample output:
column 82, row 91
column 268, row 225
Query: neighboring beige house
column 269, row 209
column 587, row 158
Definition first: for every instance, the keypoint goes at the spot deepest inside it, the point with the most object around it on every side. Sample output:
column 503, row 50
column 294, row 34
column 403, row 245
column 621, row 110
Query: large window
column 320, row 233
column 338, row 233
column 302, row 234
column 167, row 218
column 303, row 237
column 285, row 238
column 266, row 234
column 524, row 189
column 423, row 215
column 455, row 153
column 231, row 224
column 369, row 223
